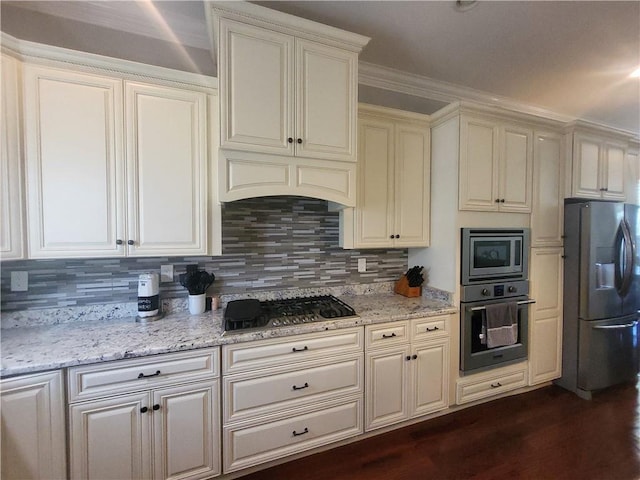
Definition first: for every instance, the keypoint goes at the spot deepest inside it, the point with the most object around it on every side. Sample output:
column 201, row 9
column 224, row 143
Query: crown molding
column 466, row 98
column 52, row 55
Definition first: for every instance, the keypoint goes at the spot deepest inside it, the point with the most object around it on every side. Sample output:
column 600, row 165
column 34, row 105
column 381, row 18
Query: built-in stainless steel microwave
column 494, row 254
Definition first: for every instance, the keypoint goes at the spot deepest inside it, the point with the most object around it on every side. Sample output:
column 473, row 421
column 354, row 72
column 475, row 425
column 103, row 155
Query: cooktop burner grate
column 247, row 314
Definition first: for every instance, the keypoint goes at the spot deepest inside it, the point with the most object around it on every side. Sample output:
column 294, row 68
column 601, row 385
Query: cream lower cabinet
column 166, row 427
column 33, row 427
column 111, row 163
column 496, row 165
column 406, row 370
column 392, row 208
column 545, row 321
column 484, row 385
column 284, row 396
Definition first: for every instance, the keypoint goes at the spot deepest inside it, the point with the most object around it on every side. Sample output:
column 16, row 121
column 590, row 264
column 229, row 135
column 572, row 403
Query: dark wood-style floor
column 545, row 434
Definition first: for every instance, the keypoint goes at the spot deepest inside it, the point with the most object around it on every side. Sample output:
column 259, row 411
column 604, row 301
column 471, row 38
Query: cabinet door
column 109, row 439
column 516, row 169
column 11, row 194
column 374, row 212
column 548, row 175
column 73, row 125
column 326, row 101
column 545, row 352
column 412, row 186
column 478, row 188
column 167, row 170
column 614, row 172
column 256, row 80
column 587, row 153
column 386, row 376
column 429, row 378
column 33, row 434
column 186, row 423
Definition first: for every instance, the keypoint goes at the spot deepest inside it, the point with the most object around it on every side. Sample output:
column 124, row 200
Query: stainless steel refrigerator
column 601, row 295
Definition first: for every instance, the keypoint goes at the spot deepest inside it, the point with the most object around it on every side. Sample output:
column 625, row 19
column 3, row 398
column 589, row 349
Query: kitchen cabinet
column 302, row 139
column 598, row 167
column 11, row 190
column 111, row 163
column 156, row 417
column 406, row 370
column 548, row 189
column 545, row 326
column 33, row 427
column 488, row 384
column 284, row 396
column 496, row 165
column 392, row 208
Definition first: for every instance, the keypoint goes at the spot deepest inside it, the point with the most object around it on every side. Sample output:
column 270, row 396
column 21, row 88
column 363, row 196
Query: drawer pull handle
column 294, row 349
column 142, row 375
column 384, row 335
column 496, row 385
column 306, row 385
column 296, row 434
column 432, row 329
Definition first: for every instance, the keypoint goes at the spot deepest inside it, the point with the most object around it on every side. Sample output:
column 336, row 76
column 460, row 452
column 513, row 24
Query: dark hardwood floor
column 545, row 434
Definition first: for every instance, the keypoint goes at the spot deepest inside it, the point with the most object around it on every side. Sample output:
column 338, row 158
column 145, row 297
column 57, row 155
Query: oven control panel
column 488, row 291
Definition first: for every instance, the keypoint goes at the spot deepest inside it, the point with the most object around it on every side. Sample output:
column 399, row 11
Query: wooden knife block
column 402, row 287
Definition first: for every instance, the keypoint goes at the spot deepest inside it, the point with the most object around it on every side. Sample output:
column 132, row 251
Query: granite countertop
column 47, row 347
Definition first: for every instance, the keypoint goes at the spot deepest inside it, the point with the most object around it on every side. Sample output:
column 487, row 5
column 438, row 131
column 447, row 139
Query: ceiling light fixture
column 635, row 73
column 464, row 5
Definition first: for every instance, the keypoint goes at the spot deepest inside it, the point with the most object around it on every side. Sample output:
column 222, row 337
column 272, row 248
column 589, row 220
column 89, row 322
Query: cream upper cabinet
column 33, row 427
column 548, row 185
column 392, row 208
column 167, row 170
column 75, row 163
column 496, row 166
column 545, row 327
column 110, row 164
column 598, row 167
column 11, row 190
column 285, row 95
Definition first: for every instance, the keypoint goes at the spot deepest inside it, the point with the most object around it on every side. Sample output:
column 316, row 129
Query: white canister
column 148, row 294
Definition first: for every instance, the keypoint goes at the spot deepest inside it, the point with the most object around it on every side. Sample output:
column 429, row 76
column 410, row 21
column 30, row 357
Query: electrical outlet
column 362, row 265
column 166, row 273
column 19, row 281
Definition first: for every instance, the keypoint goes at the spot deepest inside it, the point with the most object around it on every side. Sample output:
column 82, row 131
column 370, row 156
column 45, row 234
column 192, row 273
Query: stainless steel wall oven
column 494, row 301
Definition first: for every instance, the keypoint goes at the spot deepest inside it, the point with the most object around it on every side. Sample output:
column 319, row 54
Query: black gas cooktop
column 253, row 314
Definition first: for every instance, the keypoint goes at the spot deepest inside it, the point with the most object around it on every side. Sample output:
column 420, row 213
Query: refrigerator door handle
column 629, row 256
column 616, row 327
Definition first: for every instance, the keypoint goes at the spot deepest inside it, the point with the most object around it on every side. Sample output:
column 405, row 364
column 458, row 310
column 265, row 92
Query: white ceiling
column 572, row 58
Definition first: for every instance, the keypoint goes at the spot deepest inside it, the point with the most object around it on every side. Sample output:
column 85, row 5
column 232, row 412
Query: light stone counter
column 47, row 347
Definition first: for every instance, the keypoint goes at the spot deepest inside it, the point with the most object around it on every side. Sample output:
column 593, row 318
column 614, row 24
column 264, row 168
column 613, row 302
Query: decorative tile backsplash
column 269, row 243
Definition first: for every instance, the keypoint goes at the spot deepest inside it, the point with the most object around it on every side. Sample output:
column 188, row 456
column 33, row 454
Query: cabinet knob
column 408, row 358
column 144, row 410
column 397, row 236
column 156, row 407
column 497, row 200
column 299, row 140
column 603, row 189
column 130, row 242
column 391, row 236
column 502, row 200
column 119, row 242
column 290, row 140
column 414, row 356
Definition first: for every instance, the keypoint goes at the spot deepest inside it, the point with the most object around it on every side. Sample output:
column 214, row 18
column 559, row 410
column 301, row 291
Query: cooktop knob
column 485, row 292
column 512, row 289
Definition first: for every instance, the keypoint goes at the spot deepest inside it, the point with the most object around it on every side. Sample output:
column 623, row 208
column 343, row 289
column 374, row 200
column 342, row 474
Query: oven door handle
column 522, row 302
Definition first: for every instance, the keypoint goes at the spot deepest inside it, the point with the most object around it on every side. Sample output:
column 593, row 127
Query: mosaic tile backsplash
column 270, row 243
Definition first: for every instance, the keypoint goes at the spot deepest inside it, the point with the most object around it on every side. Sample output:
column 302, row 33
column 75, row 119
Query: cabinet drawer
column 283, row 351
column 387, row 334
column 432, row 327
column 269, row 392
column 110, row 378
column 256, row 443
column 488, row 386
